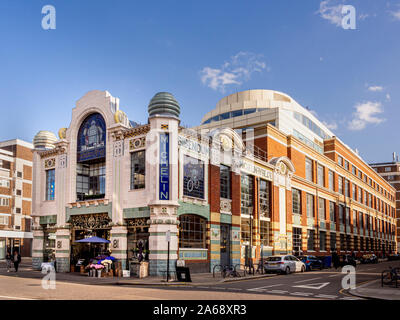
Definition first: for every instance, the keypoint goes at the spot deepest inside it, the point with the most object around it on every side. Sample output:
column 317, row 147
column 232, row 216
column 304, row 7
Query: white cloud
column 363, row 16
column 233, row 72
column 395, row 14
column 388, row 97
column 331, row 12
column 375, row 88
column 331, row 126
column 366, row 113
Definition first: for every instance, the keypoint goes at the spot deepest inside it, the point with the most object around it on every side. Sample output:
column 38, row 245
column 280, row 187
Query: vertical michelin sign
column 164, row 166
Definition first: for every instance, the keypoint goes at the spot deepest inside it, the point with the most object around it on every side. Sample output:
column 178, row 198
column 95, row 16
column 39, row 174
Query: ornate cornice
column 133, row 132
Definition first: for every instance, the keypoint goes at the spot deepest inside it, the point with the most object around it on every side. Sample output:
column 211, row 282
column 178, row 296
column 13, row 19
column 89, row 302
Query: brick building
column 390, row 171
column 260, row 176
column 15, row 197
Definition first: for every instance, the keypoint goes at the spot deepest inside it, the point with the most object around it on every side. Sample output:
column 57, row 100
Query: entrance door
column 225, row 244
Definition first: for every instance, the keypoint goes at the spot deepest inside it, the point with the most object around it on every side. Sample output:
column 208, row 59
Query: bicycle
column 229, row 271
column 390, row 276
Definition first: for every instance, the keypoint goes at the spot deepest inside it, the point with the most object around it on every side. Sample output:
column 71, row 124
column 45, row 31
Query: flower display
column 98, row 267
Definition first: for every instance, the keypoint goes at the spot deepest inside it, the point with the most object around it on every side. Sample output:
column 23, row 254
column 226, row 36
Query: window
column 19, row 174
column 296, row 201
column 348, row 242
column 321, row 208
column 225, row 182
column 322, row 241
column 340, row 184
column 346, row 164
column 5, row 202
column 138, row 170
column 388, row 169
column 297, row 240
column 330, row 178
column 359, row 174
column 50, row 184
column 265, row 191
column 365, row 197
column 332, row 211
column 342, row 242
column 355, row 223
column 310, row 240
column 310, row 205
column 245, row 230
column 359, row 195
column 347, row 216
column 18, row 210
column 341, row 214
column 353, row 170
column 4, row 183
column 90, row 180
column 369, row 200
column 309, row 169
column 247, row 194
column 4, row 220
column 353, row 187
column 265, row 232
column 192, row 231
column 356, row 247
column 333, row 241
column 340, row 161
column 361, row 244
column 347, row 189
column 193, row 177
column 19, row 192
column 321, row 175
column 360, row 220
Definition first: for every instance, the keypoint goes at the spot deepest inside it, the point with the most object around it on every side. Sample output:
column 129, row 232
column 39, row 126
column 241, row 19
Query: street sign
column 168, row 236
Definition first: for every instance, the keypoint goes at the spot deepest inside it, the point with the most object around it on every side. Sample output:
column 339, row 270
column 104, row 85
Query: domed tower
column 44, row 140
column 162, row 173
column 164, row 104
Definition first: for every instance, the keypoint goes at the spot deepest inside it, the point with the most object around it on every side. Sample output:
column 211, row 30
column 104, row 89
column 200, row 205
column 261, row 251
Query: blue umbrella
column 94, row 240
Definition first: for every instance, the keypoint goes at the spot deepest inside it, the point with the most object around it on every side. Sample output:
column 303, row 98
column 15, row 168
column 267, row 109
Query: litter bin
column 327, row 261
column 183, row 274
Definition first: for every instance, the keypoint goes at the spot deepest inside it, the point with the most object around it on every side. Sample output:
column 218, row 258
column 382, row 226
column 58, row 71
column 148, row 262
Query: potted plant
column 99, row 268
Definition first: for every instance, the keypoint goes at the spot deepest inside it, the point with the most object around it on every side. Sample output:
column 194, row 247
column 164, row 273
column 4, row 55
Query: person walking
column 8, row 260
column 16, row 260
column 335, row 259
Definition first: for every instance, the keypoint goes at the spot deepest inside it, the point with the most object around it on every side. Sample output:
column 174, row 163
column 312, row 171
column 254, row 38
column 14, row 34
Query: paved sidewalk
column 374, row 290
column 198, row 279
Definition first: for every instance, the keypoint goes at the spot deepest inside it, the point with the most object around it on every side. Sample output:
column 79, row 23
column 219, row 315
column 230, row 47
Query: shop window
column 247, row 188
column 193, row 177
column 192, row 231
column 138, row 170
column 296, row 201
column 50, row 184
column 90, row 180
column 310, row 240
column 265, row 191
column 297, row 241
column 322, row 241
column 225, row 182
column 245, row 230
column 265, row 234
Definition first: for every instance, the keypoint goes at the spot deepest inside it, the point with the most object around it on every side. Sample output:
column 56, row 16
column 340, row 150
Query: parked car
column 369, row 258
column 393, row 257
column 284, row 264
column 347, row 260
column 312, row 262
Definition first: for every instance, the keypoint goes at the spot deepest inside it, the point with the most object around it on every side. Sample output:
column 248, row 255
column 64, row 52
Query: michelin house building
column 223, row 191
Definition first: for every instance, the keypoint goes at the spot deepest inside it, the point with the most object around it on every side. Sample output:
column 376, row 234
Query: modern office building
column 260, row 176
column 15, row 197
column 390, row 171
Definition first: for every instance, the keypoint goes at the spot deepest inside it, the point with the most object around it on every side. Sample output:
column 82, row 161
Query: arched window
column 192, row 231
column 91, row 158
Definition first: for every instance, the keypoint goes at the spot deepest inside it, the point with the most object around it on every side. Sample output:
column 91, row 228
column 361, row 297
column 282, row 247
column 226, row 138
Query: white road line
column 262, row 288
column 16, row 298
column 307, row 280
column 335, row 275
column 277, row 291
column 327, row 296
column 350, row 298
column 304, row 294
column 236, row 289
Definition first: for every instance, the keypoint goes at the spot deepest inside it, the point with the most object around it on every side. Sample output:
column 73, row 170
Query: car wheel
column 287, row 271
column 303, row 269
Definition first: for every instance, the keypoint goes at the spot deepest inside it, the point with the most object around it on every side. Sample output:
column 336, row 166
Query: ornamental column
column 162, row 166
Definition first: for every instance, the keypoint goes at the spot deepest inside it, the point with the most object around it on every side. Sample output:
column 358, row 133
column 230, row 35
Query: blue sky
column 201, row 51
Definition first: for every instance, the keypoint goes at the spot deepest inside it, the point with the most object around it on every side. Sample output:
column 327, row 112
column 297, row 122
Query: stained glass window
column 193, row 177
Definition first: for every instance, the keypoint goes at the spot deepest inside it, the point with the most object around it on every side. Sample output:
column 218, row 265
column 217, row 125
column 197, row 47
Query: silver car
column 284, row 264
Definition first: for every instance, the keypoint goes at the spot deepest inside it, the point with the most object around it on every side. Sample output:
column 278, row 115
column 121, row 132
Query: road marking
column 315, row 286
column 350, row 298
column 236, row 289
column 304, row 294
column 307, row 280
column 277, row 291
column 334, row 275
column 16, row 298
column 327, row 296
column 262, row 288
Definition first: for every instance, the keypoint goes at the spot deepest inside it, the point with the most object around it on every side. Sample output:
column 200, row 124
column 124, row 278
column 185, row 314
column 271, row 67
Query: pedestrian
column 335, row 259
column 16, row 260
column 8, row 260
